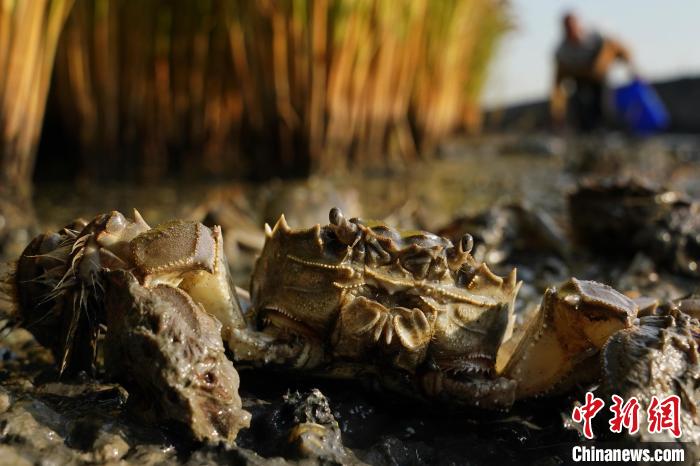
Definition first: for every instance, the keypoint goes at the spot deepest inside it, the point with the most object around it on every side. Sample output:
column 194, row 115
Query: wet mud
column 513, row 195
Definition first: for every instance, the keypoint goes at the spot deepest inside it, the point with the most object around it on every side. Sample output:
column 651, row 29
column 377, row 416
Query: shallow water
column 466, row 177
column 467, row 181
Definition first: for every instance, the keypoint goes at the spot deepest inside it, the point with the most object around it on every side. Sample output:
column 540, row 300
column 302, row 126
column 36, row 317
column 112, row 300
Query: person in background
column 583, row 57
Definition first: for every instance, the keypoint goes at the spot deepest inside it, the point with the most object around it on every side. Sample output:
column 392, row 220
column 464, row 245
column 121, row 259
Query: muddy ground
column 87, row 421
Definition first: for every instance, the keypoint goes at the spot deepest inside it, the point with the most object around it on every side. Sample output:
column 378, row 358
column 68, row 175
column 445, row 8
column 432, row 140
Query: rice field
column 237, row 88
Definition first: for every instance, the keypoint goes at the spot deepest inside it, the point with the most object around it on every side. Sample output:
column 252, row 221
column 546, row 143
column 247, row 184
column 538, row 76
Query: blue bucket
column 640, row 107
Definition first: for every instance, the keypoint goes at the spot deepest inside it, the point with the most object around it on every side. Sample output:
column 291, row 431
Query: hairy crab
column 422, row 314
column 349, row 299
column 625, row 216
column 657, row 356
column 162, row 295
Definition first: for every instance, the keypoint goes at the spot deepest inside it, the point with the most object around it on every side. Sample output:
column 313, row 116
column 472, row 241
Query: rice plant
column 29, row 34
column 241, row 88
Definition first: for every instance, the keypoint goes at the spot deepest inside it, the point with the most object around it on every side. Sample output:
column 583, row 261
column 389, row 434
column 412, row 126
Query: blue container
column 640, row 107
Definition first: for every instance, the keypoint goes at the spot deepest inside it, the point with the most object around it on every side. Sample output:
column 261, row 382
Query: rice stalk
column 29, row 33
column 240, row 88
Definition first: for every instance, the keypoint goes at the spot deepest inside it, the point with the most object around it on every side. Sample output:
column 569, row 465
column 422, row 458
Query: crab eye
column 466, row 243
column 346, row 232
column 335, row 216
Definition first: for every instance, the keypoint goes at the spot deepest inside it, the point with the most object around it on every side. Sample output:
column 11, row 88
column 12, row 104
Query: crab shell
column 657, row 356
column 164, row 298
column 363, row 287
column 167, row 351
column 59, row 284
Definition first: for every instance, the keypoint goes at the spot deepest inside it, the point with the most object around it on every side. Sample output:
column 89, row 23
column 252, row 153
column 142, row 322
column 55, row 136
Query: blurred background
column 661, row 39
column 105, row 95
column 234, row 111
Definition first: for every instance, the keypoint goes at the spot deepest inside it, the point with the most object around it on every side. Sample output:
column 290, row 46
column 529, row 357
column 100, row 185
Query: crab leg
column 495, row 393
column 571, row 325
column 259, row 348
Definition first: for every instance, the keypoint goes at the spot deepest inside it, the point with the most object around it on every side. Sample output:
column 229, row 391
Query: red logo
column 664, row 415
column 587, row 412
column 624, row 415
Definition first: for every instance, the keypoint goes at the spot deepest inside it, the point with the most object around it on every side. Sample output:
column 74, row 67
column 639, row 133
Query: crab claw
column 571, row 325
column 216, row 291
column 191, row 256
column 172, row 248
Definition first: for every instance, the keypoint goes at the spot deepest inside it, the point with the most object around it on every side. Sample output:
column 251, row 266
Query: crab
column 350, row 299
column 631, row 215
column 161, row 295
column 659, row 355
column 505, row 233
column 357, row 297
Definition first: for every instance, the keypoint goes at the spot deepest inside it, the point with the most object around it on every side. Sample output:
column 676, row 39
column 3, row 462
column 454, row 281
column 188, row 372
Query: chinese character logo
column 624, row 415
column 587, row 412
column 663, row 415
